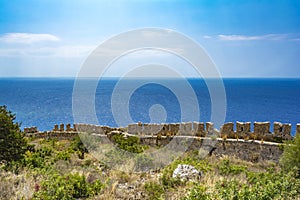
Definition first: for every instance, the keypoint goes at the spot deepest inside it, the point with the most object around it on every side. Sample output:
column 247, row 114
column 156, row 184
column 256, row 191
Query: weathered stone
column 174, row 128
column 243, row 129
column 61, row 127
column 287, row 131
column 132, row 129
column 298, row 129
column 209, row 128
column 186, row 129
column 199, row 129
column 68, row 127
column 261, row 129
column 164, row 129
column 55, row 127
column 282, row 131
column 187, row 173
column 227, row 130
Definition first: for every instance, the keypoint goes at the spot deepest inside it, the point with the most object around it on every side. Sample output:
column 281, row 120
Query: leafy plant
column 198, row 192
column 79, row 147
column 290, row 158
column 226, row 168
column 130, row 144
column 154, row 190
column 70, row 186
column 13, row 144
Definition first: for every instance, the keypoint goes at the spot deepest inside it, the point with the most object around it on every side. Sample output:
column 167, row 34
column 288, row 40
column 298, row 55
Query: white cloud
column 59, row 51
column 249, row 38
column 207, row 37
column 27, row 38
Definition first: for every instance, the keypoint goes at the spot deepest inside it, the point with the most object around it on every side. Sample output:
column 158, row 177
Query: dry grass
column 14, row 186
column 119, row 184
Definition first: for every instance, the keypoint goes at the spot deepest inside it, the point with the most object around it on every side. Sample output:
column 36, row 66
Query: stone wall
column 261, row 130
column 199, row 135
column 254, row 151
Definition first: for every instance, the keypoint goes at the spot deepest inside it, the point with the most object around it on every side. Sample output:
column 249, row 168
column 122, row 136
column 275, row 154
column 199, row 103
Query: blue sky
column 244, row 38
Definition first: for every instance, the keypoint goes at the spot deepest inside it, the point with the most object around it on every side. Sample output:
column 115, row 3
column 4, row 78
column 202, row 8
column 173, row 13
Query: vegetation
column 12, row 142
column 290, row 159
column 69, row 186
column 64, row 169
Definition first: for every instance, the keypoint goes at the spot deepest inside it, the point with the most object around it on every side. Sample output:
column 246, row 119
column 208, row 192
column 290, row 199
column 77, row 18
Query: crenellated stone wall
column 261, row 130
column 261, row 144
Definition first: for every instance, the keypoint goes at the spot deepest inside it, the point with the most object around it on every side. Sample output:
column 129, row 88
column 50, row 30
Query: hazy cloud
column 60, row 51
column 207, row 37
column 248, row 38
column 27, row 38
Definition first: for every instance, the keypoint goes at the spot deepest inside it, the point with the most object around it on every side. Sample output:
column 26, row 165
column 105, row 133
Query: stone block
column 282, row 131
column 199, row 129
column 174, row 128
column 55, row 127
column 227, row 130
column 61, row 127
column 243, row 129
column 186, row 129
column 164, row 129
column 132, row 129
column 261, row 129
column 286, row 131
column 298, row 129
column 68, row 127
column 209, row 128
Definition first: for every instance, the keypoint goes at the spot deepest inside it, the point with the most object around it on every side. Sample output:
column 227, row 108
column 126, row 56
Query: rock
column 186, row 173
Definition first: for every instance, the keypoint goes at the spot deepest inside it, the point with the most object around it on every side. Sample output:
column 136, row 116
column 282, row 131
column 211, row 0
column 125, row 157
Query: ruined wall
column 227, row 130
column 243, row 130
column 240, row 142
column 254, row 151
column 261, row 130
column 298, row 129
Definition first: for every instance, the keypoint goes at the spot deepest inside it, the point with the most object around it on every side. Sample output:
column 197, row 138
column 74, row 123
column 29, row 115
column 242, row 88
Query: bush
column 290, row 158
column 70, row 186
column 143, row 162
column 38, row 159
column 154, row 190
column 79, row 147
column 226, row 168
column 198, row 192
column 130, row 144
column 12, row 142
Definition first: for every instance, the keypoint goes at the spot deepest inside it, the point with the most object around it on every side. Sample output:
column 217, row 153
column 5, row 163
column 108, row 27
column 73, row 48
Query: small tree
column 12, row 142
column 290, row 158
column 79, row 147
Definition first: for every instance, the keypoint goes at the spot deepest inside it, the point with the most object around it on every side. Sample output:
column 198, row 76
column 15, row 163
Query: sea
column 43, row 102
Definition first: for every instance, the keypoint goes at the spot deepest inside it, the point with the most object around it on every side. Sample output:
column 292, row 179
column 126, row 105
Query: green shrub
column 38, row 158
column 198, row 192
column 13, row 144
column 130, row 144
column 70, row 186
column 154, row 190
column 259, row 186
column 78, row 147
column 64, row 155
column 143, row 162
column 226, row 168
column 290, row 158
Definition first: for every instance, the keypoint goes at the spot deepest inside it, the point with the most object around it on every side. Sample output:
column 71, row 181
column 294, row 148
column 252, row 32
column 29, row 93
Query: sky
column 51, row 38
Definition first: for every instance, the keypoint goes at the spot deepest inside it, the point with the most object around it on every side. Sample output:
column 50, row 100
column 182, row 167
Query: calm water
column 45, row 102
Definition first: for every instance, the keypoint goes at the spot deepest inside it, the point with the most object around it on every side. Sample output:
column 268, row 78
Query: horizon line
column 138, row 77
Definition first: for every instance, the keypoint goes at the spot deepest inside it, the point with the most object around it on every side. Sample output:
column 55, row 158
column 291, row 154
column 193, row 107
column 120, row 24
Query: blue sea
column 43, row 102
